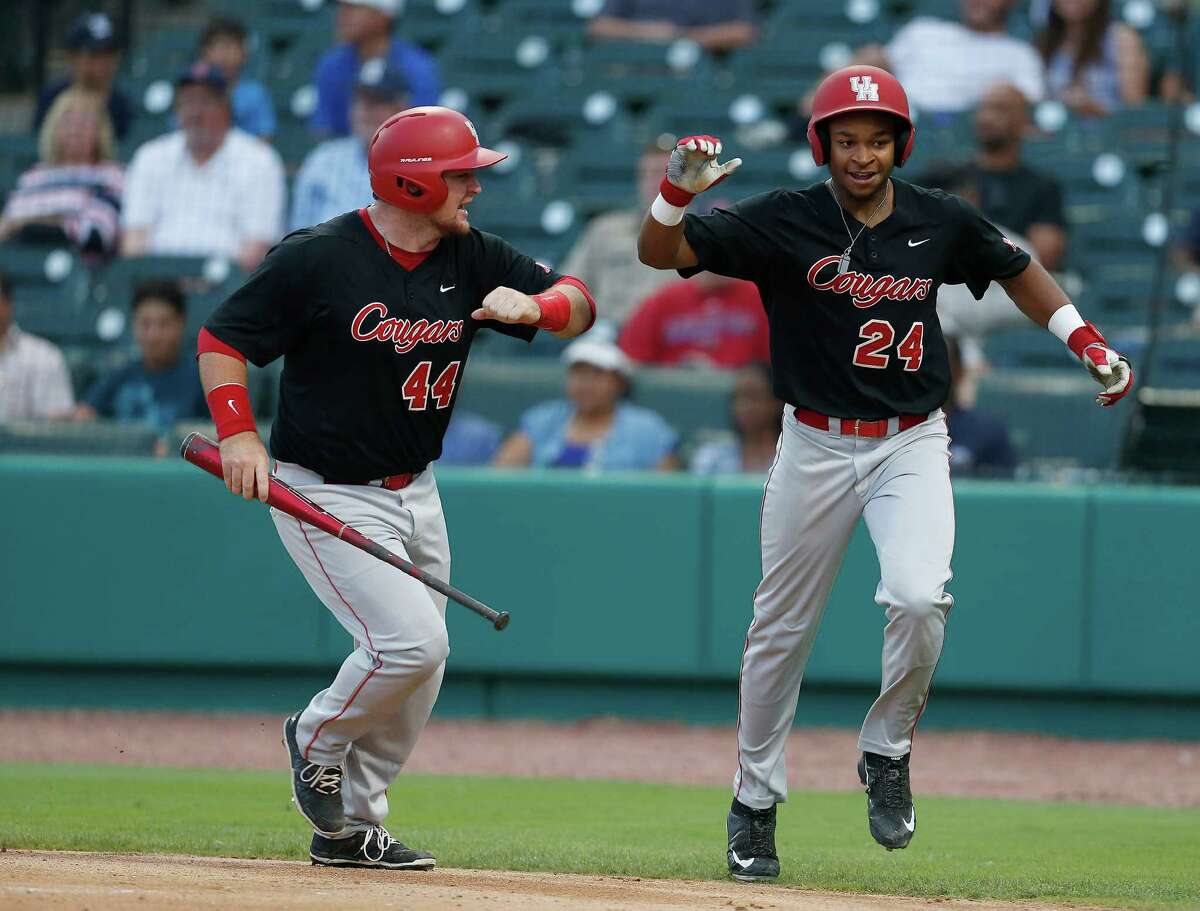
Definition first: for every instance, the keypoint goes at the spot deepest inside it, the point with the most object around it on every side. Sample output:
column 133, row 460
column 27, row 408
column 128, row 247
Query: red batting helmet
column 860, row 88
column 413, row 149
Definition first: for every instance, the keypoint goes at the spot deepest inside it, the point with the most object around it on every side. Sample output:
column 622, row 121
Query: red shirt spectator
column 709, row 319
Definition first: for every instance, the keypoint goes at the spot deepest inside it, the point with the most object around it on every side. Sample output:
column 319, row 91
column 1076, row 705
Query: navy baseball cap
column 381, row 81
column 92, row 32
column 203, row 74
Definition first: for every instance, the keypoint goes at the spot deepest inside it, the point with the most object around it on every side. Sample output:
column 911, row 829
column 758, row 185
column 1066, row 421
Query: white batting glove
column 693, row 168
column 507, row 305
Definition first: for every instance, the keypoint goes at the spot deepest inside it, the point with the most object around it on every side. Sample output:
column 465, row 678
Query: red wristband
column 674, row 195
column 1085, row 335
column 229, row 404
column 556, row 310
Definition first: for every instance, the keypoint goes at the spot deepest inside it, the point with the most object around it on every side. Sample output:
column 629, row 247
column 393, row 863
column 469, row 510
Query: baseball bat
column 204, row 453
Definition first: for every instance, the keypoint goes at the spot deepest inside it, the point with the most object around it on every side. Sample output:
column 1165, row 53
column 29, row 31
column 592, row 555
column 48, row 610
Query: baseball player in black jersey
column 374, row 313
column 848, row 270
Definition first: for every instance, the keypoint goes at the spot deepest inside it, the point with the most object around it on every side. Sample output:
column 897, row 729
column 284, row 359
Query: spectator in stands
column 709, row 320
column 471, row 439
column 959, row 313
column 94, row 53
column 73, row 193
column 948, row 66
column 718, row 25
column 756, row 415
column 163, row 385
column 605, row 256
column 593, row 428
column 34, row 382
column 207, row 189
column 334, row 177
column 979, row 443
column 223, row 45
column 1011, row 193
column 1093, row 64
column 364, row 30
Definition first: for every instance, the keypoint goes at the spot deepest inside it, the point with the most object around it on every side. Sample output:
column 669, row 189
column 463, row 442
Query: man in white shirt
column 34, row 383
column 948, row 66
column 334, row 179
column 207, row 189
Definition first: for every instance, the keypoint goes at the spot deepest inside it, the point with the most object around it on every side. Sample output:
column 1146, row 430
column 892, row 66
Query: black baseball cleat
column 889, row 799
column 375, row 848
column 317, row 789
column 752, row 856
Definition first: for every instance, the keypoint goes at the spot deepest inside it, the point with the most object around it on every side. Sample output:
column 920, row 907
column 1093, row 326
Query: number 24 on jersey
column 878, row 336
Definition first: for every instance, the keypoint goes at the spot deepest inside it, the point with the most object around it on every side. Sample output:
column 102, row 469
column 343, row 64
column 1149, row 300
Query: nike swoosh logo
column 234, row 407
column 737, row 860
column 919, row 242
column 445, row 288
column 911, row 822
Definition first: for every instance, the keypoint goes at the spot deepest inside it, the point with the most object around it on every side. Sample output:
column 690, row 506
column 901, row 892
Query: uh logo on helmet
column 859, row 88
column 411, row 151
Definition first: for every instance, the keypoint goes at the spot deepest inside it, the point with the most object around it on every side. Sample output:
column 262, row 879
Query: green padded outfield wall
column 629, row 594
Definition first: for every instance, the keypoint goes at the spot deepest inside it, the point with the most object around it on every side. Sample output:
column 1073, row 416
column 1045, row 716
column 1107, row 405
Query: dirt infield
column 107, row 882
column 1152, row 773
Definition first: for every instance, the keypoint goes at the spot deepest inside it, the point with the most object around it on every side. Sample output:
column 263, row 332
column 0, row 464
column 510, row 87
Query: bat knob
column 501, row 620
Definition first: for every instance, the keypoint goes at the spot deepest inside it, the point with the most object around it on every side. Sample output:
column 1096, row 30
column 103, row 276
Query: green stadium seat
column 493, row 66
column 1048, row 415
column 638, row 72
column 107, row 438
column 692, row 400
column 50, row 291
column 206, row 283
column 18, row 153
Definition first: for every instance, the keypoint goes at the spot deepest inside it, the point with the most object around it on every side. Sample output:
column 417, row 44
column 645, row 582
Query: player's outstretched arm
column 1039, row 297
column 564, row 310
column 691, row 168
column 244, row 461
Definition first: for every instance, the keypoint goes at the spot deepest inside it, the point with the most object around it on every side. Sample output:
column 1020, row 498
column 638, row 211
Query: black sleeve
column 506, row 267
column 1048, row 208
column 270, row 313
column 982, row 253
column 739, row 242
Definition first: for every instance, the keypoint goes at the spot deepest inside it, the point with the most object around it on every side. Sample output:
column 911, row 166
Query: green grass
column 1068, row 852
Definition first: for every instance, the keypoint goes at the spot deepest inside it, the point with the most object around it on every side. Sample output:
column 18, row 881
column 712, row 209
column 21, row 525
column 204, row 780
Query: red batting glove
column 1107, row 367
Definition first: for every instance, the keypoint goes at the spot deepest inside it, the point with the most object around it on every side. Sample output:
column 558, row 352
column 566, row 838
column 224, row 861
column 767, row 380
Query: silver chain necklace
column 844, row 262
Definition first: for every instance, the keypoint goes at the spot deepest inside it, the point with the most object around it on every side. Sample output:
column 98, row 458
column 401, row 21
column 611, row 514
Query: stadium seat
column 18, row 153
column 106, row 438
column 206, row 282
column 1048, row 414
column 637, row 72
column 693, row 400
column 50, row 291
column 494, row 66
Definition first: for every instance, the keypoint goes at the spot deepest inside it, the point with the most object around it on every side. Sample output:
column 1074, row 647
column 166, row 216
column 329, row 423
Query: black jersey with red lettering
column 373, row 354
column 866, row 343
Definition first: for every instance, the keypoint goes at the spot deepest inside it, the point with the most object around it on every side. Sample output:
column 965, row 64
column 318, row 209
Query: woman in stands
column 593, row 428
column 755, row 414
column 1093, row 64
column 73, row 193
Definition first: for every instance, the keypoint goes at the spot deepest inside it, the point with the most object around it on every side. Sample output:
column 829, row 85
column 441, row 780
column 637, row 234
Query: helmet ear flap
column 904, row 137
column 412, row 189
column 823, row 139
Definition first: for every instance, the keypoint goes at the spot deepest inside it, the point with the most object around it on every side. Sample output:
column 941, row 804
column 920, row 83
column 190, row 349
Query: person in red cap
column 848, row 270
column 374, row 313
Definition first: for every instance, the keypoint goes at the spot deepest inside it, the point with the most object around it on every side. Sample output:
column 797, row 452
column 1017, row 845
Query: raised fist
column 693, row 166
